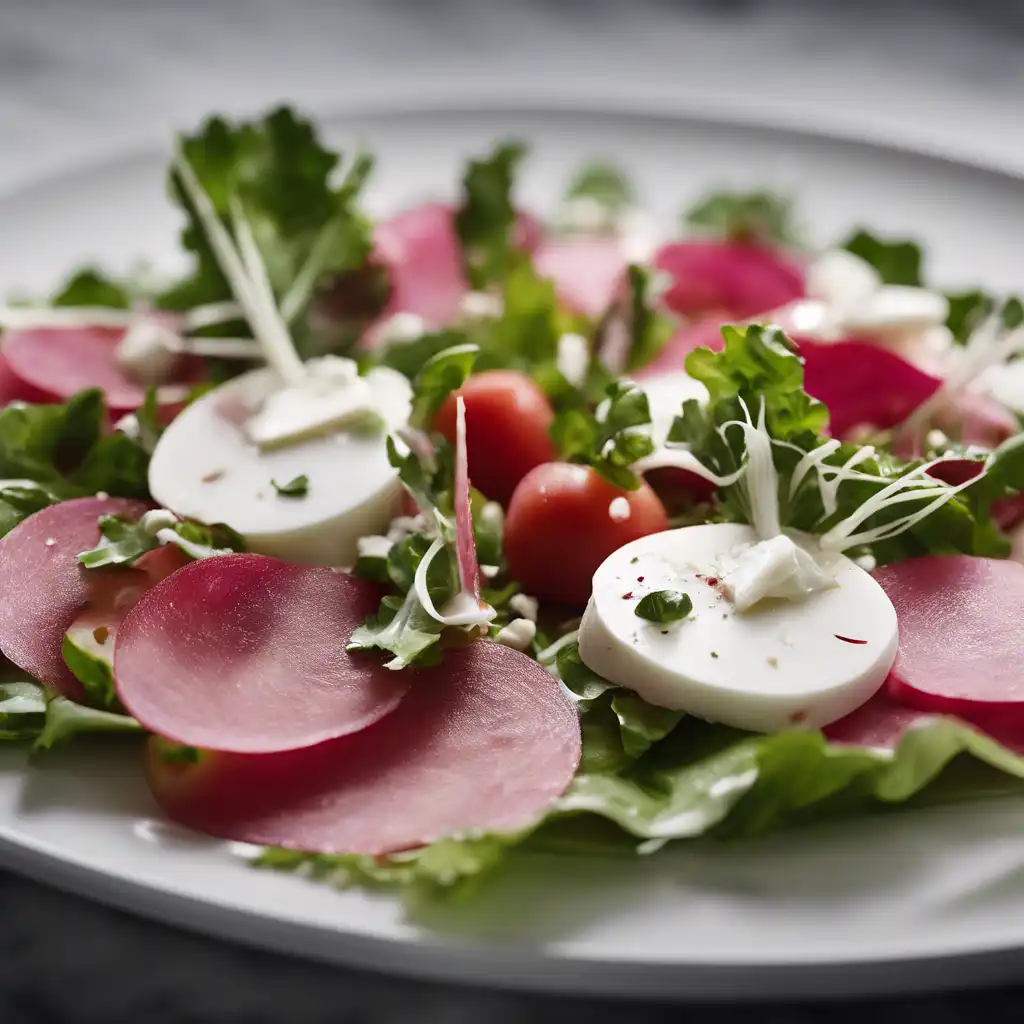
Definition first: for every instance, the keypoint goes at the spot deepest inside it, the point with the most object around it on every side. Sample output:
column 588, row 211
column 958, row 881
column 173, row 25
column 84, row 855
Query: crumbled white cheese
column 401, row 328
column 373, row 546
column 619, row 510
column 518, row 634
column 405, row 526
column 489, row 571
column 524, row 606
column 573, row 358
column 149, row 350
column 158, row 519
column 328, row 397
column 481, row 305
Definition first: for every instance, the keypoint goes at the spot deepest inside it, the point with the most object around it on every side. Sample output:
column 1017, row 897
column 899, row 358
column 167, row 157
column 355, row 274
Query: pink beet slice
column 52, row 364
column 246, row 653
column 486, row 740
column 586, row 270
column 961, row 646
column 740, row 278
column 44, row 588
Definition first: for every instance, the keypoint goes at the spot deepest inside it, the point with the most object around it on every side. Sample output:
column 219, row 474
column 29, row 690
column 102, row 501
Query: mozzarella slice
column 842, row 279
column 780, row 664
column 205, row 467
column 897, row 310
column 1005, row 383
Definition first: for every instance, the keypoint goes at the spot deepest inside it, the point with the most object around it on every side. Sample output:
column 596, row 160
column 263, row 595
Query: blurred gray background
column 83, row 79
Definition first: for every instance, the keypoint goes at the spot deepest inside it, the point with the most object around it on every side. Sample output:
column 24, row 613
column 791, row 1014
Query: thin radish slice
column 863, row 385
column 738, row 277
column 465, row 542
column 703, row 333
column 246, row 653
column 54, row 364
column 586, row 270
column 485, row 741
column 961, row 647
column 44, row 588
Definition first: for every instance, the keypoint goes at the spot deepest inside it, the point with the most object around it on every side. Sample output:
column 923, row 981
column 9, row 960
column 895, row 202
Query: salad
column 407, row 544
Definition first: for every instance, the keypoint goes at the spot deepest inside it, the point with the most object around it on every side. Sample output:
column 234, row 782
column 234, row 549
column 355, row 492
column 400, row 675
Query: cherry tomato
column 561, row 525
column 507, row 422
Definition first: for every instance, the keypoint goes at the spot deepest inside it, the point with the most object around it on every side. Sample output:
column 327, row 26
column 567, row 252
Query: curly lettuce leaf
column 898, row 261
column 486, row 218
column 762, row 217
column 92, row 287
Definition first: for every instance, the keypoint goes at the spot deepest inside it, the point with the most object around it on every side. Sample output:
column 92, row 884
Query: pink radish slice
column 247, row 653
column 44, row 588
column 739, row 277
column 586, row 270
column 465, row 541
column 485, row 741
column 863, row 385
column 961, row 646
column 703, row 333
column 421, row 250
column 57, row 363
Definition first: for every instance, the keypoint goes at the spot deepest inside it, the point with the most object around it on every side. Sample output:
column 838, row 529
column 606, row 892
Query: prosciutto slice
column 586, row 270
column 44, row 588
column 246, row 653
column 485, row 741
column 961, row 646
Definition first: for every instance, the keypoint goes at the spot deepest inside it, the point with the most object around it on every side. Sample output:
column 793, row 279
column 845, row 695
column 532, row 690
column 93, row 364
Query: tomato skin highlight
column 507, row 423
column 559, row 529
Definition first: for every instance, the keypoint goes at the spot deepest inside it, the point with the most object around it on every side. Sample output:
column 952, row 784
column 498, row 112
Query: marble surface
column 83, row 79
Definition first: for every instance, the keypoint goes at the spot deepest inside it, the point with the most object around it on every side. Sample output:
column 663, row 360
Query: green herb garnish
column 295, row 488
column 664, row 606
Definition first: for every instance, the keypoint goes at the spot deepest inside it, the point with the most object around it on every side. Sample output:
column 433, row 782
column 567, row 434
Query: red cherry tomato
column 507, row 422
column 561, row 526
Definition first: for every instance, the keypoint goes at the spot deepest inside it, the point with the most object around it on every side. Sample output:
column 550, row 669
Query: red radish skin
column 44, row 588
column 507, row 422
column 53, row 364
column 740, row 278
column 485, row 741
column 586, row 270
column 560, row 528
column 465, row 541
column 246, row 653
column 961, row 646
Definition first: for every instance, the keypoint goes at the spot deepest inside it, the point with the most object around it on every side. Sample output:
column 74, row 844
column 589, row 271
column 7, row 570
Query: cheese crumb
column 158, row 519
column 518, row 634
column 524, row 606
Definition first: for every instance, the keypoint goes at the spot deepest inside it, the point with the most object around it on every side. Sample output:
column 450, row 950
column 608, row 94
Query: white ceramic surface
column 934, row 897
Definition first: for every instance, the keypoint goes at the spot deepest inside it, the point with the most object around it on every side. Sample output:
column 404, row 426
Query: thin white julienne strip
column 280, row 351
column 484, row 615
column 302, row 288
column 222, row 348
column 760, row 482
column 550, row 653
column 23, row 317
column 210, row 315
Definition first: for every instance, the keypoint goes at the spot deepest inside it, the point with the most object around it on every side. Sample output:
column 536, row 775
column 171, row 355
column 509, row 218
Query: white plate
column 877, row 905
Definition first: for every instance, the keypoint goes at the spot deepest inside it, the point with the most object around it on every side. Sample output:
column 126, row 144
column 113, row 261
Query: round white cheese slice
column 778, row 665
column 205, row 467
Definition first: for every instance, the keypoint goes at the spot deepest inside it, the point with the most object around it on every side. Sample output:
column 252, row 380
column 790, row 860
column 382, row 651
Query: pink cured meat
column 246, row 653
column 44, row 588
column 485, row 741
column 961, row 646
column 53, row 364
column 738, row 277
column 586, row 270
column 703, row 333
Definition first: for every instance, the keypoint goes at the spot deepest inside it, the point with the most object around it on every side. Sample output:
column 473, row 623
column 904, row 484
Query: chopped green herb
column 297, row 488
column 664, row 606
column 176, row 753
column 121, row 543
column 714, row 654
column 604, row 184
column 897, row 262
column 764, row 217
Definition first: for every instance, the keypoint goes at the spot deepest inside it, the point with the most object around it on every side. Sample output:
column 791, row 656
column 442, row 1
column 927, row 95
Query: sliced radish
column 485, row 741
column 44, row 588
column 863, row 384
column 586, row 270
column 52, row 364
column 247, row 653
column 738, row 277
column 961, row 646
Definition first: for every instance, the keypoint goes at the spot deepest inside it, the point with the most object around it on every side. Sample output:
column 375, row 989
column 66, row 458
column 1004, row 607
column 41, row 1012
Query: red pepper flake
column 848, row 639
column 628, row 595
column 797, row 717
column 700, row 575
column 711, row 581
column 639, row 579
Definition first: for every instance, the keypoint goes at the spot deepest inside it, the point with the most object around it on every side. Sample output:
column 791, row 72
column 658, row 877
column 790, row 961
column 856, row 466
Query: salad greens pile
column 655, row 775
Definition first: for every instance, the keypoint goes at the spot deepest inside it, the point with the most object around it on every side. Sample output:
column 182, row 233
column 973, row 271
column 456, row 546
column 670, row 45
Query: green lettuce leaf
column 92, row 287
column 65, row 719
column 897, row 261
column 968, row 309
column 121, row 543
column 486, row 218
column 442, row 374
column 763, row 217
column 605, row 184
